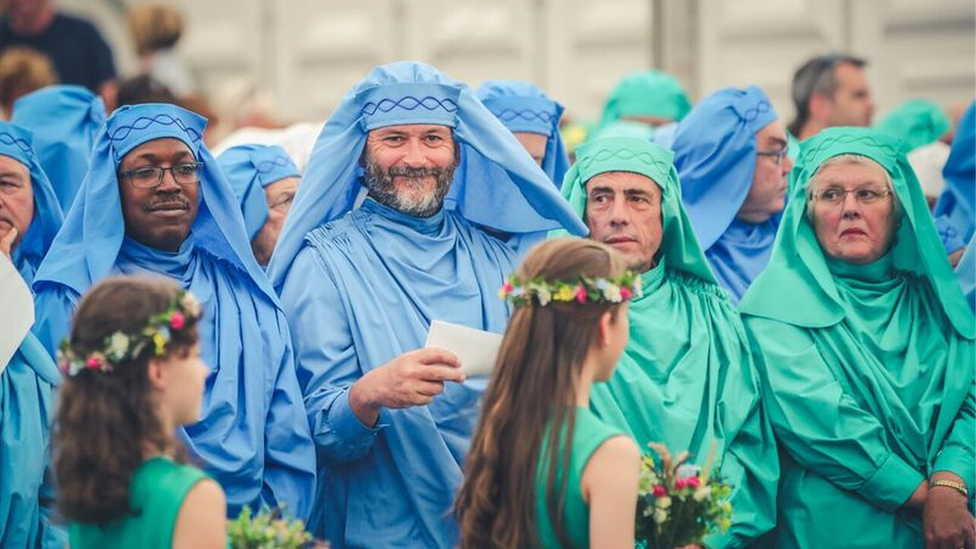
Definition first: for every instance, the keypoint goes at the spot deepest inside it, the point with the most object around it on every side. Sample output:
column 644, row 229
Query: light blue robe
column 27, row 384
column 715, row 154
column 252, row 436
column 65, row 119
column 955, row 212
column 360, row 286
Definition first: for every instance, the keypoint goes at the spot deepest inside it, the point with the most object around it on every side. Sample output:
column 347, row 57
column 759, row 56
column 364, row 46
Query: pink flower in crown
column 625, row 293
column 581, row 294
column 694, row 482
column 507, row 287
column 177, row 321
column 659, row 491
column 680, row 483
column 94, row 362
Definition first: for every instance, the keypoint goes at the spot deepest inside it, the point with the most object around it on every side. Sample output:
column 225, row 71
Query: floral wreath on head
column 581, row 290
column 120, row 346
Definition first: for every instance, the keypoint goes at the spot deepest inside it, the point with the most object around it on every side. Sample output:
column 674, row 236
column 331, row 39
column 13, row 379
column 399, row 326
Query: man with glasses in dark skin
column 731, row 156
column 829, row 90
column 155, row 203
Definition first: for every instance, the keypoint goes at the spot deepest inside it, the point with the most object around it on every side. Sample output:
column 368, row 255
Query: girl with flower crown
column 526, row 486
column 133, row 375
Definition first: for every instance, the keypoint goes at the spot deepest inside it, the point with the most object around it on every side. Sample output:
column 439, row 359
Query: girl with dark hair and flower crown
column 133, row 375
column 523, row 486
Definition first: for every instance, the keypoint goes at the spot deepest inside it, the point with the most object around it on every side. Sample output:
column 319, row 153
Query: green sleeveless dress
column 158, row 489
column 588, row 434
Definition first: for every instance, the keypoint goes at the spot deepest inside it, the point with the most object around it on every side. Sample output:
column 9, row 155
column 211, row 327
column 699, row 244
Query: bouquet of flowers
column 269, row 530
column 677, row 503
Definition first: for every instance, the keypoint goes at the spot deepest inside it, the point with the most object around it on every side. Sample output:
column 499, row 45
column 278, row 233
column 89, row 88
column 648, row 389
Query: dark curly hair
column 106, row 422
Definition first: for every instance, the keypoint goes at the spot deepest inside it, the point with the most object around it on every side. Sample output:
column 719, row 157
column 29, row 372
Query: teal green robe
column 867, row 373
column 686, row 378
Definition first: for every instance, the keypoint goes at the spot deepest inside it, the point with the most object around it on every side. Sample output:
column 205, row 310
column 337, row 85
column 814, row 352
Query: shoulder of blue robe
column 66, row 118
column 715, row 155
column 413, row 93
column 26, row 411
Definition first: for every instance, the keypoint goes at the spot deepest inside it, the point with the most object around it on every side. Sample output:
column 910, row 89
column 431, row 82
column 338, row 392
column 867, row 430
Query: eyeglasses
column 835, row 196
column 776, row 156
column 151, row 176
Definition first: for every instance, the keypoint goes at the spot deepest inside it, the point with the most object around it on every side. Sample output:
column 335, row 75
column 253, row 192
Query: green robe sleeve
column 752, row 463
column 958, row 453
column 820, row 426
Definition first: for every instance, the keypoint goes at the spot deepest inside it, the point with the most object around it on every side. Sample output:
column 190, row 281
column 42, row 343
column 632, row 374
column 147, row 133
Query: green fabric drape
column 686, row 377
column 868, row 370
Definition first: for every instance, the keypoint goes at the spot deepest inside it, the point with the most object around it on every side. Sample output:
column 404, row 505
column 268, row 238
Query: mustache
column 176, row 202
column 414, row 173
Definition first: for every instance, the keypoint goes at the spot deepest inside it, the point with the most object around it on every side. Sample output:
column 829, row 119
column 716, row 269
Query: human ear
column 604, row 328
column 155, row 374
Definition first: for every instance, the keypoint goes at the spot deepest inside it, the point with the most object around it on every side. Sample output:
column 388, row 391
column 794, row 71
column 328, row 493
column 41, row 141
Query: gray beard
column 382, row 189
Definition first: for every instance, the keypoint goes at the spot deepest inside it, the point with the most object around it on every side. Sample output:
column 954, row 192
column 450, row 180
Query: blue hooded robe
column 361, row 285
column 715, row 154
column 65, row 120
column 28, row 381
column 955, row 212
column 251, row 168
column 252, row 437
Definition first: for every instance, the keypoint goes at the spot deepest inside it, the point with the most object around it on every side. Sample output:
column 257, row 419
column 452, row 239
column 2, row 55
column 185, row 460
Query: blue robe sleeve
column 54, row 305
column 326, row 359
column 289, row 473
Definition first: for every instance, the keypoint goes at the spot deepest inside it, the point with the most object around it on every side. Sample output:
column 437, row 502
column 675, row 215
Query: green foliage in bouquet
column 679, row 504
column 267, row 530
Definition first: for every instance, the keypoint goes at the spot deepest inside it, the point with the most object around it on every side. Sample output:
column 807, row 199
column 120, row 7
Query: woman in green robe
column 865, row 345
column 686, row 378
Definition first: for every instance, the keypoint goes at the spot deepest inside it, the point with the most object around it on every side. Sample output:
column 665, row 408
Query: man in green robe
column 865, row 345
column 686, row 378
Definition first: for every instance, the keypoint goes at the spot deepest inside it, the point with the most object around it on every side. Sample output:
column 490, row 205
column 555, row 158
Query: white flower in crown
column 612, row 293
column 118, row 347
column 663, row 503
column 190, row 304
column 544, row 295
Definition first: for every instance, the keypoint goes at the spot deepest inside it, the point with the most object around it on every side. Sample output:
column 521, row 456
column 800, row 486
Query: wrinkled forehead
column 622, row 181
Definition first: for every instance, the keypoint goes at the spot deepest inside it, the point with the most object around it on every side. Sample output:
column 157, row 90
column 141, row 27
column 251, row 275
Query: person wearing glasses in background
column 155, row 203
column 829, row 90
column 264, row 179
column 731, row 156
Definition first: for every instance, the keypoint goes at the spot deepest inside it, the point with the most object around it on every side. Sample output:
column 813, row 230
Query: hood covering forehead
column 251, row 168
column 679, row 247
column 86, row 248
column 798, row 266
column 17, row 143
column 522, row 107
column 524, row 201
column 715, row 153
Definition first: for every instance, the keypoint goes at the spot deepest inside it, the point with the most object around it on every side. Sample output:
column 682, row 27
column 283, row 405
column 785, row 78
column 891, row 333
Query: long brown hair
column 532, row 387
column 106, row 421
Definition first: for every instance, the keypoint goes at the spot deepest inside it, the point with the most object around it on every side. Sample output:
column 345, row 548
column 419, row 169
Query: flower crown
column 581, row 290
column 121, row 346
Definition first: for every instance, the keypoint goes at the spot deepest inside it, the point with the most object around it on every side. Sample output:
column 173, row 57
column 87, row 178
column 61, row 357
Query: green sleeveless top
column 588, row 434
column 158, row 488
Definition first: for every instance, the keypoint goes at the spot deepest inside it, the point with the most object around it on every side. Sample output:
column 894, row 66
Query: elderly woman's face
column 853, row 212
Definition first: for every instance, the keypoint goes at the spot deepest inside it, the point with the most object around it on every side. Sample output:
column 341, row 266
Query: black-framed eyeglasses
column 776, row 156
column 151, row 176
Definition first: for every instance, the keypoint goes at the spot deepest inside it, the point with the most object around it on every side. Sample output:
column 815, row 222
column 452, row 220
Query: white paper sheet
column 18, row 310
column 476, row 349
